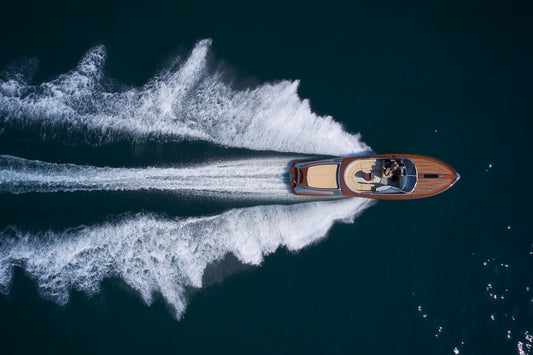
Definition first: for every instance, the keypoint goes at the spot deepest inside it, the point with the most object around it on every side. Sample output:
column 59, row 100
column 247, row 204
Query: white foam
column 155, row 254
column 185, row 101
column 265, row 178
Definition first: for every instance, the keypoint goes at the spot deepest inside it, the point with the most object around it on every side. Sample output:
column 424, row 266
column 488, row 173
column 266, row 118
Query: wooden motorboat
column 382, row 176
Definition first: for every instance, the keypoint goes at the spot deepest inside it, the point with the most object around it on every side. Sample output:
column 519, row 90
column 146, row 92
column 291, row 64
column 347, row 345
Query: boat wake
column 186, row 101
column 163, row 255
column 265, row 179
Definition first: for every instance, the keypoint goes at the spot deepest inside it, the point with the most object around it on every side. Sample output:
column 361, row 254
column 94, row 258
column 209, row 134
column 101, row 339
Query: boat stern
column 315, row 177
column 294, row 177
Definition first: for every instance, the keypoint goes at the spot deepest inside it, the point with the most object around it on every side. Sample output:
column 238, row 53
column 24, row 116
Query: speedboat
column 382, row 176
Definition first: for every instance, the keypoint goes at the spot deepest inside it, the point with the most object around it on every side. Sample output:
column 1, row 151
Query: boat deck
column 368, row 176
column 433, row 176
column 447, row 176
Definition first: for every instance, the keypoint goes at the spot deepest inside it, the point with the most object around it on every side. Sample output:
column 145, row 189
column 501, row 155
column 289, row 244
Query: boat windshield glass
column 408, row 177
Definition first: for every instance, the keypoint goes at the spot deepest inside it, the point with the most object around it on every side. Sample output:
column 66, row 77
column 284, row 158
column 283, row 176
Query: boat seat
column 355, row 173
column 365, row 187
column 361, row 178
column 367, row 166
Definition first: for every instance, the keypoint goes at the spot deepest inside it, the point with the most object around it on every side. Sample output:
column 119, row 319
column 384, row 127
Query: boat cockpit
column 381, row 176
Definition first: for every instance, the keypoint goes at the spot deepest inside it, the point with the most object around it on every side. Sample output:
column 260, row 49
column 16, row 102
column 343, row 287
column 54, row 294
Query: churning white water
column 265, row 178
column 163, row 255
column 185, row 101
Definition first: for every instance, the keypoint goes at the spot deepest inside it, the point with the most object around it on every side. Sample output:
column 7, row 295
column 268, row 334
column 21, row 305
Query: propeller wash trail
column 185, row 101
column 153, row 254
column 254, row 179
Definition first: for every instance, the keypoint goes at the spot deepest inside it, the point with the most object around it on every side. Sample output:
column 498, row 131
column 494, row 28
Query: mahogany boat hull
column 365, row 176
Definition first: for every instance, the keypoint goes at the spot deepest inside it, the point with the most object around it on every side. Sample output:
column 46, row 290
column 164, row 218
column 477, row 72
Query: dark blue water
column 144, row 191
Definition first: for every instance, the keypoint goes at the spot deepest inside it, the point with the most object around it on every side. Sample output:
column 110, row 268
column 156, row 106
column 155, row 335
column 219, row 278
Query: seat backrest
column 365, row 187
column 367, row 165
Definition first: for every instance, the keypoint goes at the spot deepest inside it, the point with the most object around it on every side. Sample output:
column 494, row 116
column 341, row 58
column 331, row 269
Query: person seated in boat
column 395, row 171
column 391, row 169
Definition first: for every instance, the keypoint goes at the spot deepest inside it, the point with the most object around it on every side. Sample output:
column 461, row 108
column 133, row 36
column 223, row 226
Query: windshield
column 408, row 176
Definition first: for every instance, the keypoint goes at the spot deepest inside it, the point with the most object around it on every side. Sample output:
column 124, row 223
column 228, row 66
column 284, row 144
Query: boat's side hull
column 434, row 177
